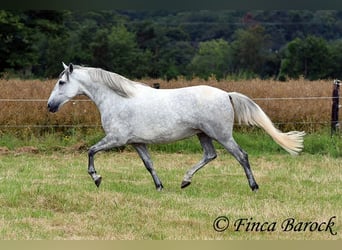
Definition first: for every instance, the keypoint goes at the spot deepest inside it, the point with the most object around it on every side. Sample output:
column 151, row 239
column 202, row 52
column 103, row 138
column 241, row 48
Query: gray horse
column 136, row 114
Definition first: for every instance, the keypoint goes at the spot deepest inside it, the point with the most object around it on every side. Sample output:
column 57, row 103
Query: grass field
column 49, row 195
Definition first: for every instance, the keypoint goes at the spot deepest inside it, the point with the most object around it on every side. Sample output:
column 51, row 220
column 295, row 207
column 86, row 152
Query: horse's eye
column 61, row 82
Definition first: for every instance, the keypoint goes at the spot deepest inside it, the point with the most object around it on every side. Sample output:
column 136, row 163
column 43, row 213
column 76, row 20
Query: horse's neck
column 101, row 95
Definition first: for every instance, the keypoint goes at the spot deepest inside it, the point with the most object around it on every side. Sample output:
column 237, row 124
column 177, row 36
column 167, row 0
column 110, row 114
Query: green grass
column 49, row 195
column 253, row 140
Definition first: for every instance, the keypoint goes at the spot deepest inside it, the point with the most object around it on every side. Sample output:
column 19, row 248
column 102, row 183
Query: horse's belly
column 158, row 135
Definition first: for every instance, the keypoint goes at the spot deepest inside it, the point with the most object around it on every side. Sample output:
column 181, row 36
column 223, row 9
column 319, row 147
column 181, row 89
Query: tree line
column 168, row 44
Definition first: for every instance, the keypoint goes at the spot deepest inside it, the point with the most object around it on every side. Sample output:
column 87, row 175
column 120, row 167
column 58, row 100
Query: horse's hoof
column 159, row 187
column 185, row 184
column 98, row 181
column 255, row 188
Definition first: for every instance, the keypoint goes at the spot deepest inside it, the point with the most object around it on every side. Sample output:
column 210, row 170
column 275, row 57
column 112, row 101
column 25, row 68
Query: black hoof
column 98, row 181
column 255, row 187
column 159, row 187
column 185, row 184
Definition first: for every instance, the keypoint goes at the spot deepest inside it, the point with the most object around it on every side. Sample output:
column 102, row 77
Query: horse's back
column 195, row 106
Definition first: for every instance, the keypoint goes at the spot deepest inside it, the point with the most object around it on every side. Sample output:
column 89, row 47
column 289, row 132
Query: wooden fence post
column 335, row 107
column 156, row 85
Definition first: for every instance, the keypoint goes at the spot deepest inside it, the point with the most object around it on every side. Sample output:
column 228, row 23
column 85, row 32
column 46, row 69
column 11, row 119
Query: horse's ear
column 64, row 65
column 71, row 68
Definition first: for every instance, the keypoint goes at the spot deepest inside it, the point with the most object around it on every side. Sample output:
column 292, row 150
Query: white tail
column 249, row 112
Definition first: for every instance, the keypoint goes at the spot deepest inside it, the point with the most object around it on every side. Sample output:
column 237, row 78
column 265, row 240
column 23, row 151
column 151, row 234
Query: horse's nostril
column 51, row 108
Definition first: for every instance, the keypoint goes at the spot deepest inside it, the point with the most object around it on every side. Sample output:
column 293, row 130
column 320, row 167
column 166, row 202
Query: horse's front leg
column 107, row 142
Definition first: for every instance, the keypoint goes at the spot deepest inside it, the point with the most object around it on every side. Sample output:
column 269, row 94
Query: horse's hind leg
column 232, row 147
column 209, row 155
column 145, row 156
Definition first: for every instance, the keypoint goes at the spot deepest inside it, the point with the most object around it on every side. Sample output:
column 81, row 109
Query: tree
column 125, row 56
column 166, row 43
column 151, row 37
column 307, row 57
column 170, row 48
column 175, row 54
column 16, row 53
column 213, row 58
column 335, row 51
column 25, row 41
column 101, row 39
column 174, row 59
column 49, row 41
column 250, row 49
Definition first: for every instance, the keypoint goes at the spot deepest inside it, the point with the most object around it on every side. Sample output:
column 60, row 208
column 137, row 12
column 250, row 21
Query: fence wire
column 97, row 125
column 255, row 99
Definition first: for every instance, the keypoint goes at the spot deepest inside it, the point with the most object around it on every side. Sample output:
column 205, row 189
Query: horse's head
column 66, row 88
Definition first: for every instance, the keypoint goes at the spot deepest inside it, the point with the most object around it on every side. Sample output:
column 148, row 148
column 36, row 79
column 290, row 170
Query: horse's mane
column 119, row 84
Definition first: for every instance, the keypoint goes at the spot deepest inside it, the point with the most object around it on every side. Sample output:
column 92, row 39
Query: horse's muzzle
column 52, row 107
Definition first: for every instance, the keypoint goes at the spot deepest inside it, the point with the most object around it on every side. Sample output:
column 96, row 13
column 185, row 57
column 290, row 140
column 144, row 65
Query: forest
column 167, row 44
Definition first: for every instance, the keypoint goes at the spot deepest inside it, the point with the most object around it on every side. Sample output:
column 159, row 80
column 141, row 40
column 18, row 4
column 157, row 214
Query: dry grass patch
column 308, row 114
